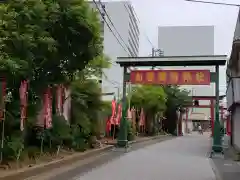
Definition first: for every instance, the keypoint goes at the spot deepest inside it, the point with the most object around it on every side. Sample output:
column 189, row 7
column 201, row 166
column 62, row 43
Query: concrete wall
column 188, row 41
column 233, row 86
column 190, row 126
column 236, row 132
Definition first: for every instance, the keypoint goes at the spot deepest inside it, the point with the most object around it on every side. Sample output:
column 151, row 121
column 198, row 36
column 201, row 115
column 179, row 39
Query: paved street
column 183, row 158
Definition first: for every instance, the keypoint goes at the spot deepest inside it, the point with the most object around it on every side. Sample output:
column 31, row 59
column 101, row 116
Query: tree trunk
column 169, row 124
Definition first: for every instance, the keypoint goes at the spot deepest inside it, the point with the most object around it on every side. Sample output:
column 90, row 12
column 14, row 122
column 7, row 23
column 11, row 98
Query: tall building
column 124, row 20
column 189, row 41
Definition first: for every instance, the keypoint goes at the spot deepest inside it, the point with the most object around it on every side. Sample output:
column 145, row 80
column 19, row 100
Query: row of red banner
column 47, row 101
column 117, row 114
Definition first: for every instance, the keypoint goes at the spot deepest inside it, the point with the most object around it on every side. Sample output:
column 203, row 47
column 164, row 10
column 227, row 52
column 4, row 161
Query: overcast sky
column 154, row 13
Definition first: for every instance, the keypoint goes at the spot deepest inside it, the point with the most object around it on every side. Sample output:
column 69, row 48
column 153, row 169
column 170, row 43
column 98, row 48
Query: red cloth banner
column 114, row 105
column 59, row 99
column 119, row 115
column 174, row 77
column 23, row 93
column 48, row 108
column 3, row 94
column 129, row 114
column 142, row 118
column 108, row 126
column 23, row 103
column 228, row 125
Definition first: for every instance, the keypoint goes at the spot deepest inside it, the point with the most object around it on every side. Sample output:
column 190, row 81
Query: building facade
column 189, row 41
column 124, row 20
column 233, row 87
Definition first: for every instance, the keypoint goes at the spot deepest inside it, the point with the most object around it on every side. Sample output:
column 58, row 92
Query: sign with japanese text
column 171, row 77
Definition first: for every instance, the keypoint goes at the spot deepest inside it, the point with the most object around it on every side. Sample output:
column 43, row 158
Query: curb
column 143, row 139
column 41, row 168
column 215, row 170
column 44, row 167
column 148, row 139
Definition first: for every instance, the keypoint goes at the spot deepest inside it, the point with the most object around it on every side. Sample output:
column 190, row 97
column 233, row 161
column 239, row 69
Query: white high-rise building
column 189, row 41
column 124, row 20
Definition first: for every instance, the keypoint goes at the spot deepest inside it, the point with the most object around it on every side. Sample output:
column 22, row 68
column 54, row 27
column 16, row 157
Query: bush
column 13, row 148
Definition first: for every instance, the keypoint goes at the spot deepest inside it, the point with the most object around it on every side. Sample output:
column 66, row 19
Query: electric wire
column 112, row 24
column 109, row 26
column 216, row 3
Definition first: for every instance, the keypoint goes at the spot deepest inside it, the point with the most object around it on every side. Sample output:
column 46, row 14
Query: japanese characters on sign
column 174, row 77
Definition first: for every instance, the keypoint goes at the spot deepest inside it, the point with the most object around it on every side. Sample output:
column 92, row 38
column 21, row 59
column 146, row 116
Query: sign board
column 171, row 77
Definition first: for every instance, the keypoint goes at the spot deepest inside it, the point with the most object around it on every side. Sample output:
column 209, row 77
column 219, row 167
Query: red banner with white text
column 174, row 77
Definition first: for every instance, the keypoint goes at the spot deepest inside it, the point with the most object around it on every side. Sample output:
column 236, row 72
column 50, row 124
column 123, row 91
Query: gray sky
column 154, row 13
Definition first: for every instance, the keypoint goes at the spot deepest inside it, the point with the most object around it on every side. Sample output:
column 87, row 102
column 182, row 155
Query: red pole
column 180, row 124
column 186, row 120
column 222, row 112
column 212, row 115
column 228, row 125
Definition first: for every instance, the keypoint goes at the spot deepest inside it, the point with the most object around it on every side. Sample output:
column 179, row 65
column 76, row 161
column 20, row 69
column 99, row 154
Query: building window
column 134, row 20
column 133, row 40
column 133, row 50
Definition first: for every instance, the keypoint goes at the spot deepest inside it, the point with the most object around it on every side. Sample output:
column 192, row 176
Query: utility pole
column 153, row 54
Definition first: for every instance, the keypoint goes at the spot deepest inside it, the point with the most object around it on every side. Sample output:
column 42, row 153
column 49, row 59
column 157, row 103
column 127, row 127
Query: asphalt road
column 79, row 168
column 183, row 158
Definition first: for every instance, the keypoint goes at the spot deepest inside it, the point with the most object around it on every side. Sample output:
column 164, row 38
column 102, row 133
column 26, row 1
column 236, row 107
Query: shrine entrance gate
column 171, row 77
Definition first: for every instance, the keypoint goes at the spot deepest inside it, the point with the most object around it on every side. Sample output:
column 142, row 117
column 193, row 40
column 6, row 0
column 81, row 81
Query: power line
column 109, row 26
column 216, row 3
column 104, row 9
column 144, row 32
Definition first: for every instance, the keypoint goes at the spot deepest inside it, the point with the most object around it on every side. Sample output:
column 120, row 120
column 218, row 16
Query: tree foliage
column 153, row 101
column 160, row 100
column 151, row 98
column 50, row 42
column 177, row 99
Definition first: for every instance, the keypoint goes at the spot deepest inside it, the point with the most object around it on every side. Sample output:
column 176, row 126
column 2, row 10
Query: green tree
column 46, row 42
column 153, row 100
column 177, row 99
column 94, row 69
column 86, row 106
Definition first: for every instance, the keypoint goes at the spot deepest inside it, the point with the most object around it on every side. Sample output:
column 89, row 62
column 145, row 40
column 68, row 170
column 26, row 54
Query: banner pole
column 2, row 104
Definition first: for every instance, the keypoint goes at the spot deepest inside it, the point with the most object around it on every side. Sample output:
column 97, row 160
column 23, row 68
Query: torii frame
column 208, row 60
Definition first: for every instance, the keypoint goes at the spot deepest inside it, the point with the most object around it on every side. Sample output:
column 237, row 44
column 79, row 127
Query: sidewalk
column 225, row 169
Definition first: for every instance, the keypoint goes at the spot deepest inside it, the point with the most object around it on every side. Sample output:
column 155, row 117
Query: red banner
column 114, row 104
column 171, row 77
column 142, row 118
column 119, row 115
column 3, row 97
column 59, row 99
column 23, row 103
column 23, row 93
column 129, row 114
column 48, row 109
